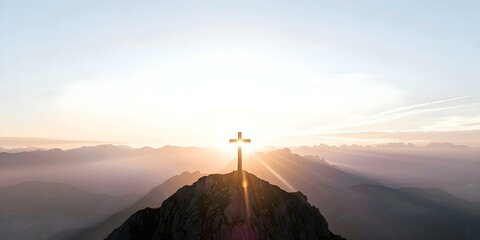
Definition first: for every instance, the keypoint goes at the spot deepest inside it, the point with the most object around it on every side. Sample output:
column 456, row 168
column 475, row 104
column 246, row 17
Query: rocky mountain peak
column 228, row 206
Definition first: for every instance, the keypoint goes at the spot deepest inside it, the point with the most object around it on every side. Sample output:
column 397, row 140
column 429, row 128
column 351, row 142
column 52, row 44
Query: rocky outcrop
column 228, row 206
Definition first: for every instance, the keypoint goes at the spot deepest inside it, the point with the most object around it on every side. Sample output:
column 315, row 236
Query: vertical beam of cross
column 240, row 140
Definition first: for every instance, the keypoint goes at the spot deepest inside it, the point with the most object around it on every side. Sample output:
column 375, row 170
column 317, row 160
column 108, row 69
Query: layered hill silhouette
column 228, row 206
column 360, row 208
column 153, row 199
column 453, row 168
column 34, row 210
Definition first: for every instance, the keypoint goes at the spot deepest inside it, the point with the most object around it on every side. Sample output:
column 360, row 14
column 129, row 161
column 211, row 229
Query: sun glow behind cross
column 280, row 101
column 171, row 73
column 240, row 143
column 274, row 92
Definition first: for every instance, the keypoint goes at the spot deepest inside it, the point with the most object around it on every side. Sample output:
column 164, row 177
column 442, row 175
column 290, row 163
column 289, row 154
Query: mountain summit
column 228, row 206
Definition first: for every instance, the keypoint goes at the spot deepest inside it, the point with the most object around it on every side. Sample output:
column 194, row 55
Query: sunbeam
column 290, row 187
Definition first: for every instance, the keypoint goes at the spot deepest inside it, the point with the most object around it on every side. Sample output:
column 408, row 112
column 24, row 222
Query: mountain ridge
column 228, row 206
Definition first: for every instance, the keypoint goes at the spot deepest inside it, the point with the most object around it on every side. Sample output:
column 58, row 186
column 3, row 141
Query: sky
column 286, row 73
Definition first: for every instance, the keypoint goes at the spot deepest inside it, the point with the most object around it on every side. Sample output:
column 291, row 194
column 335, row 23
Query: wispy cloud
column 367, row 123
column 421, row 105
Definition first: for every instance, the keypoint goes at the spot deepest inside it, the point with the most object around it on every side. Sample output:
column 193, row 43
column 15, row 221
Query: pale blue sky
column 195, row 72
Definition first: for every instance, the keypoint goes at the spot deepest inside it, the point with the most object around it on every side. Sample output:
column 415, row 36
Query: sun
column 240, row 143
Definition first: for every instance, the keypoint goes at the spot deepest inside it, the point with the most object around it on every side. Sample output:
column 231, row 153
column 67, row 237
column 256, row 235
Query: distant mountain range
column 264, row 149
column 43, row 143
column 130, row 170
column 18, row 150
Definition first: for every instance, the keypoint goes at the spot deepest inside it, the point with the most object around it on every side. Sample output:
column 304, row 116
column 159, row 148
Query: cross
column 240, row 140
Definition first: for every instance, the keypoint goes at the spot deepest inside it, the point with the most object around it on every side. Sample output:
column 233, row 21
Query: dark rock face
column 228, row 206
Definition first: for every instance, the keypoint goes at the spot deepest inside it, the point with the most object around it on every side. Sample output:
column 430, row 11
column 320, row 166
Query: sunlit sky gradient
column 283, row 72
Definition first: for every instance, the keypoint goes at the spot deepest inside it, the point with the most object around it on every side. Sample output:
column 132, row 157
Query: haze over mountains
column 129, row 170
column 18, row 150
column 360, row 208
column 451, row 167
column 358, row 202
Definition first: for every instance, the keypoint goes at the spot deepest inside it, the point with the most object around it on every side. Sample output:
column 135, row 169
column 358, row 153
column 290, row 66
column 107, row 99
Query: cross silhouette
column 240, row 140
